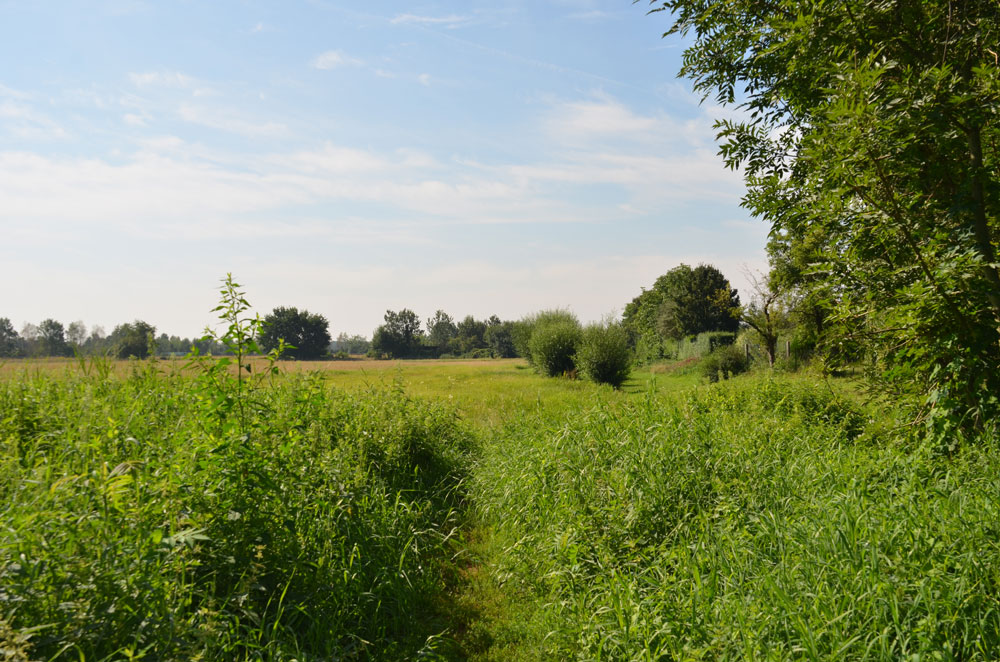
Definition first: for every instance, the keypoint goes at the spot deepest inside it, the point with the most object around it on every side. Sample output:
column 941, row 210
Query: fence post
column 788, row 349
column 746, row 350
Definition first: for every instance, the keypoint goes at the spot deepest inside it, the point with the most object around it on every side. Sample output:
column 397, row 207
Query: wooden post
column 746, row 350
column 788, row 349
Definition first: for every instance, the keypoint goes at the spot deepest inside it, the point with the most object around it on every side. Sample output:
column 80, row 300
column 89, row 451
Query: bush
column 554, row 340
column 724, row 362
column 703, row 344
column 603, row 355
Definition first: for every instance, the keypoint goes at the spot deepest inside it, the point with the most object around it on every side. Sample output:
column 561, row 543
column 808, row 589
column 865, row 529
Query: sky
column 349, row 157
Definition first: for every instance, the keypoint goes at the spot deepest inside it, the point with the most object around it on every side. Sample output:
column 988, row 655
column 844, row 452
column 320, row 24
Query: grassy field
column 473, row 510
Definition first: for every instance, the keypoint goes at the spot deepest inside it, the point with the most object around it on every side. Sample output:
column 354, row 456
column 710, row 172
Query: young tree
column 307, row 334
column 767, row 313
column 872, row 128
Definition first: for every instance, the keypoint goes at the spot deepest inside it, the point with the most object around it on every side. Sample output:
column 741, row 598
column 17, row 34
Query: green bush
column 603, row 355
column 724, row 362
column 554, row 341
column 703, row 344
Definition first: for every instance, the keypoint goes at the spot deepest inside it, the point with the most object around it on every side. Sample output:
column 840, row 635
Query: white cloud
column 12, row 93
column 228, row 121
column 133, row 120
column 161, row 79
column 424, row 79
column 451, row 21
column 334, row 59
column 22, row 121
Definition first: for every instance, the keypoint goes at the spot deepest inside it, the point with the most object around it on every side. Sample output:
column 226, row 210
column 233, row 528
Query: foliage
column 752, row 519
column 768, row 312
column 224, row 517
column 52, row 337
column 603, row 355
column 9, row 339
column 702, row 344
column 499, row 338
column 682, row 302
column 400, row 335
column 441, row 329
column 469, row 336
column 133, row 339
column 555, row 336
column 724, row 362
column 871, row 134
column 356, row 344
column 306, row 335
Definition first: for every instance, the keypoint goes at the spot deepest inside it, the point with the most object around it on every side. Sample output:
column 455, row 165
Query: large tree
column 870, row 129
column 682, row 302
column 306, row 334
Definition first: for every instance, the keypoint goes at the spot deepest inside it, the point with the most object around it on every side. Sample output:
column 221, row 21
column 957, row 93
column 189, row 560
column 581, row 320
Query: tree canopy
column 683, row 302
column 307, row 333
column 870, row 132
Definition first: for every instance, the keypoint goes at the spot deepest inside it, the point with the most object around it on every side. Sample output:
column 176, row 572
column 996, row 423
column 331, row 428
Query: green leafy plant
column 603, row 355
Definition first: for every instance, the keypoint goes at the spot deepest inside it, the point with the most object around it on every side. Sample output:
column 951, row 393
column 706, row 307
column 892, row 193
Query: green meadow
column 473, row 510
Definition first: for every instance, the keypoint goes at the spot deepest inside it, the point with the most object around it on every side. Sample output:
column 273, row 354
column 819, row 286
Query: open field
column 472, row 510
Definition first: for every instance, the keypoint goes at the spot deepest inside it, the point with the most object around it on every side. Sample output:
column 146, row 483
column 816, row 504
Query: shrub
column 603, row 355
column 724, row 362
column 554, row 340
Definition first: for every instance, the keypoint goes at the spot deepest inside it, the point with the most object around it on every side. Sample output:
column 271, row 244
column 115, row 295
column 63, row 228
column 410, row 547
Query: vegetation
column 682, row 302
column 555, row 336
column 603, row 355
column 305, row 335
column 869, row 143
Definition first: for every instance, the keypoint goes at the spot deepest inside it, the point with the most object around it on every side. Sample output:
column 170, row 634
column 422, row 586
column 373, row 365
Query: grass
column 473, row 510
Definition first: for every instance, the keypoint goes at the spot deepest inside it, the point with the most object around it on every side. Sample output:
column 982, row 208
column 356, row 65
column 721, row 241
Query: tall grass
column 755, row 520
column 133, row 529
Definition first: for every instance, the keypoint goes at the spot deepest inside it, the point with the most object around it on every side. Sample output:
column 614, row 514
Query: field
column 473, row 510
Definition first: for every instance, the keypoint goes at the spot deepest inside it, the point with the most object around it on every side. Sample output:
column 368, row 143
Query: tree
column 9, row 340
column 399, row 336
column 52, row 337
column 306, row 334
column 134, row 339
column 76, row 333
column 767, row 313
column 499, row 338
column 469, row 335
column 441, row 329
column 871, row 129
column 683, row 302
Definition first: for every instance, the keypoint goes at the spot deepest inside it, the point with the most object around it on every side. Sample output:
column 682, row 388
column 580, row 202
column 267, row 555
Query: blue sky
column 351, row 157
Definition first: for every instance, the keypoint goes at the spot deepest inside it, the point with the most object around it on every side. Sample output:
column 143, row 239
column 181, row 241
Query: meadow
column 473, row 510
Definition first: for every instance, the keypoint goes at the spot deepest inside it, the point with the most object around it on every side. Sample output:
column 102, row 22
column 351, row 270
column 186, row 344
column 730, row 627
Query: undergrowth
column 757, row 519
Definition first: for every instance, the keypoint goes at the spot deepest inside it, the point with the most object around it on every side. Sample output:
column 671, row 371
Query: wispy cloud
column 334, row 59
column 229, row 121
column 172, row 80
column 451, row 21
